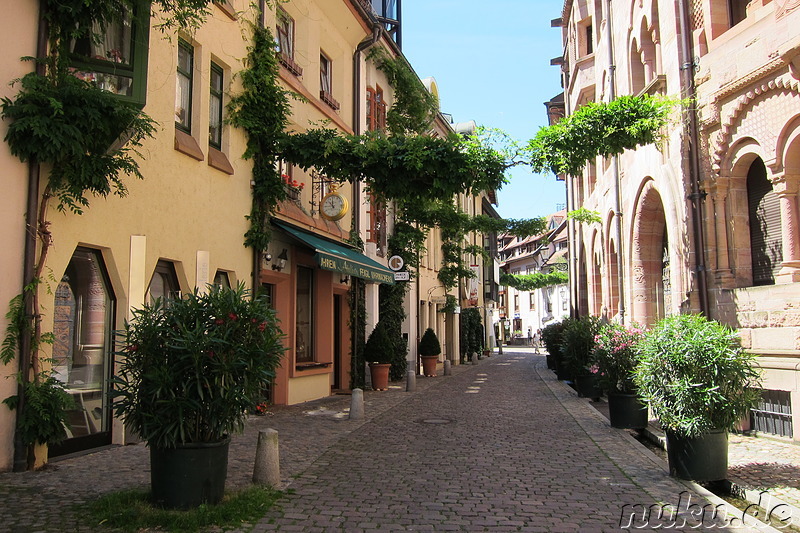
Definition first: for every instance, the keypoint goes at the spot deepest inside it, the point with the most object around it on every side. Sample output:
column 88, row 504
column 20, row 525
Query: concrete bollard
column 357, row 405
column 474, row 358
column 267, row 470
column 411, row 380
column 447, row 367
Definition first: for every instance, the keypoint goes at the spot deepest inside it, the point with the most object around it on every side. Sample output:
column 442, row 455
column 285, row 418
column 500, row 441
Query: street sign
column 402, row 276
column 396, row 262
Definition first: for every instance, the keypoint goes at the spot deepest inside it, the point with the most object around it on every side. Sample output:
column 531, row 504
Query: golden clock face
column 333, row 206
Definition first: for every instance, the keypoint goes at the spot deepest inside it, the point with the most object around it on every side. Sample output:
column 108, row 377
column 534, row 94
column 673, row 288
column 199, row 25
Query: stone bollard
column 411, row 380
column 357, row 405
column 267, row 470
column 475, row 358
column 447, row 367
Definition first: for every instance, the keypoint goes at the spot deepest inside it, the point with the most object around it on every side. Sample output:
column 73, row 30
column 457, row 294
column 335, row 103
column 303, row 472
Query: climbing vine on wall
column 262, row 110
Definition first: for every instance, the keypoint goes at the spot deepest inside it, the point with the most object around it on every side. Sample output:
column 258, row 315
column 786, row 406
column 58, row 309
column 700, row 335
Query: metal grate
column 774, row 413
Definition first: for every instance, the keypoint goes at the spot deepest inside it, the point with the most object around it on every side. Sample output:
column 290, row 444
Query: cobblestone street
column 497, row 446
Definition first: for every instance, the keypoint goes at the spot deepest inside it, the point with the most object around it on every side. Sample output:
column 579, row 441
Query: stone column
column 723, row 273
column 786, row 187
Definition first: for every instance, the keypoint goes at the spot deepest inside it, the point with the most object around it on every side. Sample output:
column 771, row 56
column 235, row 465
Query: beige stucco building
column 182, row 227
column 707, row 221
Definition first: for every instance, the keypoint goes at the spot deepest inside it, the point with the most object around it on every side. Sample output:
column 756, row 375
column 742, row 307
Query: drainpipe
column 29, row 265
column 612, row 93
column 356, row 183
column 697, row 196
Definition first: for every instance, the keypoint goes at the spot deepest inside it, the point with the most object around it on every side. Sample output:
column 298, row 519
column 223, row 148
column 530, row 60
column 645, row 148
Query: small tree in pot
column 699, row 383
column 577, row 348
column 378, row 352
column 429, row 350
column 189, row 371
column 615, row 358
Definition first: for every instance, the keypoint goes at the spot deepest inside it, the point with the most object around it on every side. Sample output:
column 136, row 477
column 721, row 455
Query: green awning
column 335, row 257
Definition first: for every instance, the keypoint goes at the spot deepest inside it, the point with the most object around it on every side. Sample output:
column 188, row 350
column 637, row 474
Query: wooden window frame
column 285, row 27
column 326, row 81
column 216, row 93
column 187, row 47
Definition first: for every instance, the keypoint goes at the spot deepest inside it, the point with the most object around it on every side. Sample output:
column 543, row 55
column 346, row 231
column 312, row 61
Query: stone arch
column 735, row 124
column 596, row 276
column 647, row 255
column 613, row 265
column 788, row 147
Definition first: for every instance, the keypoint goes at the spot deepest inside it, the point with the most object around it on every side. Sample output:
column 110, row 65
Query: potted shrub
column 189, row 371
column 699, row 383
column 429, row 350
column 615, row 358
column 378, row 353
column 577, row 349
column 551, row 338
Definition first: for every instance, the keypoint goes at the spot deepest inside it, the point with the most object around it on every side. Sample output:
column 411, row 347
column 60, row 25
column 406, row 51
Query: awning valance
column 337, row 258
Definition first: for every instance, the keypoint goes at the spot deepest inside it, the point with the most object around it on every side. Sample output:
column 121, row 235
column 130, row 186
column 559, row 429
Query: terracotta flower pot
column 429, row 363
column 380, row 375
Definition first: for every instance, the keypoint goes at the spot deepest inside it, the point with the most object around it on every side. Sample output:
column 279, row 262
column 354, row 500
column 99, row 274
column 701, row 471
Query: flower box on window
column 329, row 99
column 293, row 187
column 290, row 64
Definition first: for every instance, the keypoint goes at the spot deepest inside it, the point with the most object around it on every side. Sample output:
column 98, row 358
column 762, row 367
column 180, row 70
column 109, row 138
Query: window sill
column 290, row 64
column 226, row 8
column 186, row 144
column 310, row 366
column 329, row 99
column 219, row 160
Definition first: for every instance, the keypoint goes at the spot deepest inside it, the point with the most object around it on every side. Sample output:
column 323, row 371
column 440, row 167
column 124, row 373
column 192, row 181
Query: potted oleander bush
column 429, row 350
column 190, row 370
column 615, row 356
column 700, row 383
column 378, row 352
column 551, row 338
column 577, row 349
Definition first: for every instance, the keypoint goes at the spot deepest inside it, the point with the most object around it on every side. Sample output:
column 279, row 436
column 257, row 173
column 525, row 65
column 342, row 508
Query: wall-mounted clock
column 333, row 205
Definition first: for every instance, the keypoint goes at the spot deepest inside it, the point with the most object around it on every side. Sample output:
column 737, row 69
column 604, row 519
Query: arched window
column 763, row 205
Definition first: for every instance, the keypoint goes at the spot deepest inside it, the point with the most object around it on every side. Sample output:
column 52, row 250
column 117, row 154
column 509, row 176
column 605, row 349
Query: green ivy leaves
column 599, row 128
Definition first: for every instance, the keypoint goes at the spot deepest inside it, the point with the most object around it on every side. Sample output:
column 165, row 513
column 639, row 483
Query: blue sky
column 491, row 61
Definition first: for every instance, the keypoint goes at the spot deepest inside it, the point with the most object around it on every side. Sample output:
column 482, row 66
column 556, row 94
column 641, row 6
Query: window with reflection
column 116, row 58
column 164, row 283
column 82, row 327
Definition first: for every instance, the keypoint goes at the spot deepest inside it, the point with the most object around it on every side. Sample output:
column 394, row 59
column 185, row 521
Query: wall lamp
column 282, row 258
column 345, row 279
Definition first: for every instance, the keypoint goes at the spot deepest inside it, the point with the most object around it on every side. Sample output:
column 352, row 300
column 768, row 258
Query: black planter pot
column 189, row 475
column 626, row 411
column 551, row 361
column 562, row 372
column 587, row 386
column 703, row 458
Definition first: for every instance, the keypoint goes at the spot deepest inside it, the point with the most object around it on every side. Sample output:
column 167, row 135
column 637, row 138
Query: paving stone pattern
column 498, row 446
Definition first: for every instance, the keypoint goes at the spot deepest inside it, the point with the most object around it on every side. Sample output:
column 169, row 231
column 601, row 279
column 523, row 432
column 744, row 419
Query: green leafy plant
column 262, row 110
column 578, row 343
column 429, row 343
column 392, row 298
column 379, row 347
column 189, row 369
column 552, row 337
column 44, row 419
column 695, row 375
column 585, row 216
column 536, row 280
column 615, row 356
column 471, row 333
column 599, row 129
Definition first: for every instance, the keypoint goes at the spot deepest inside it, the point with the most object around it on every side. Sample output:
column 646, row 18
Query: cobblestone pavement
column 497, row 446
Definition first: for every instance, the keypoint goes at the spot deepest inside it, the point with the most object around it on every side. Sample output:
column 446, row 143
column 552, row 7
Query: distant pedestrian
column 530, row 339
column 537, row 337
